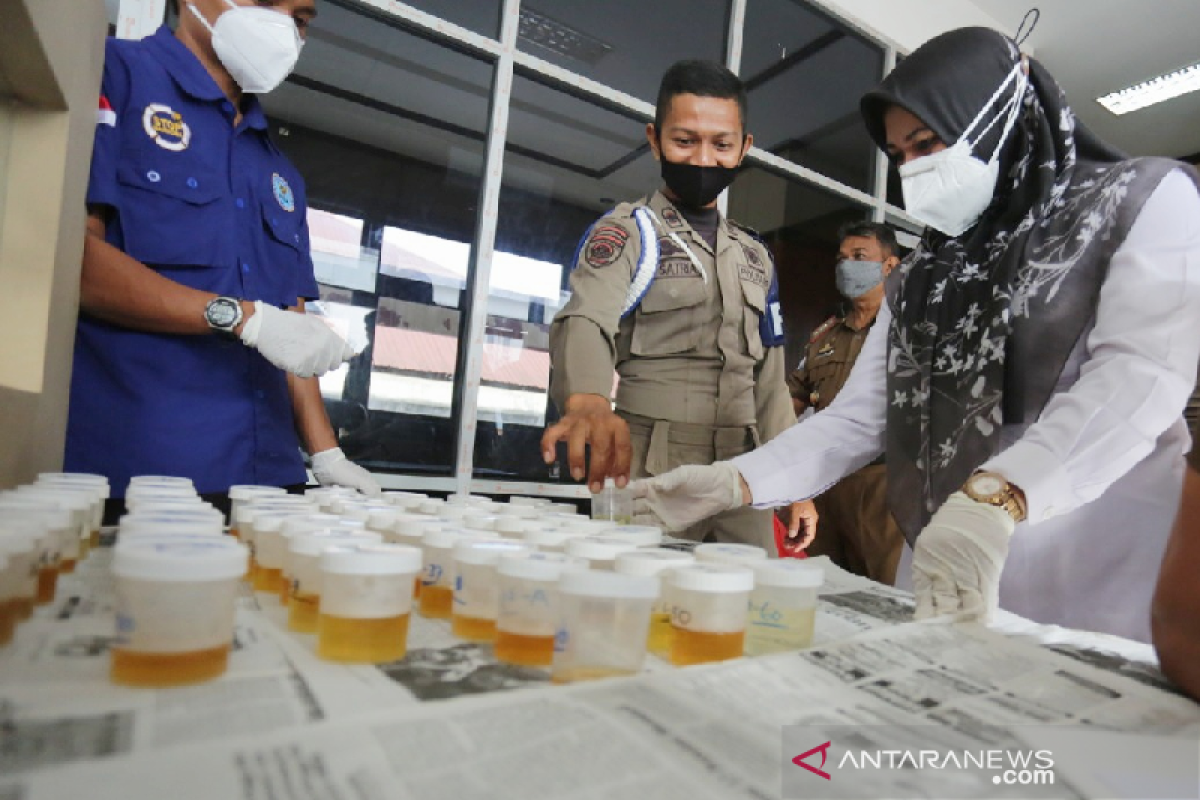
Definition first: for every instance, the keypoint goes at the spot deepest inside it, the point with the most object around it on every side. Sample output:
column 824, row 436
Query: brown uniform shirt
column 832, row 350
column 691, row 351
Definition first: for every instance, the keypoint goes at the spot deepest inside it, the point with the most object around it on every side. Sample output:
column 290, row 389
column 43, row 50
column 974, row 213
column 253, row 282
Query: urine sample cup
column 20, row 547
column 480, row 521
column 270, row 547
column 528, row 610
column 476, row 588
column 302, row 571
column 613, row 504
column 437, row 577
column 535, row 502
column 600, row 551
column 657, row 563
column 98, row 484
column 242, row 495
column 59, row 533
column 175, row 609
column 746, row 555
column 366, row 601
column 604, row 618
column 79, row 505
column 783, row 606
column 154, row 522
column 708, row 612
column 294, row 526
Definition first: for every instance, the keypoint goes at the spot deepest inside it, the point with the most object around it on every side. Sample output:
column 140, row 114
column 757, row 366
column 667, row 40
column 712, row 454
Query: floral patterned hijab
column 984, row 323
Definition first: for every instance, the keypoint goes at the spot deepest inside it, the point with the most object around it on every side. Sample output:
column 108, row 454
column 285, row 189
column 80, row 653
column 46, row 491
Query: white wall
column 909, row 23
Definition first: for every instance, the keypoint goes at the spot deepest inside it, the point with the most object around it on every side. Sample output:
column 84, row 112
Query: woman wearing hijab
column 1033, row 360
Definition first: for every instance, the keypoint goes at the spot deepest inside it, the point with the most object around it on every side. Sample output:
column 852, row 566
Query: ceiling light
column 1155, row 90
column 545, row 31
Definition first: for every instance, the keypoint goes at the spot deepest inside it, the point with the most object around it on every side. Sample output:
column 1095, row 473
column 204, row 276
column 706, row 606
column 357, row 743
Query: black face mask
column 695, row 186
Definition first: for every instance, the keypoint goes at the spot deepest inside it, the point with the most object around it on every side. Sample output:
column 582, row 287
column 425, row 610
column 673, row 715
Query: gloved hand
column 686, row 495
column 332, row 468
column 297, row 343
column 958, row 558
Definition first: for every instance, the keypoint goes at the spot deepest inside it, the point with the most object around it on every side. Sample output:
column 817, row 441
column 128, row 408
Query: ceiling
column 1093, row 47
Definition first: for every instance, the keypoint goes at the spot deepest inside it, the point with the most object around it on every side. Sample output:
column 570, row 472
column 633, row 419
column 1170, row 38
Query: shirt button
column 240, row 203
column 192, row 183
column 153, row 176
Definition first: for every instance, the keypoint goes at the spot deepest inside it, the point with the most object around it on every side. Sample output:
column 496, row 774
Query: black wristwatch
column 223, row 314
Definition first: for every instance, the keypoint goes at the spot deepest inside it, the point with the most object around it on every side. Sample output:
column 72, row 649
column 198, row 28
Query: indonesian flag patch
column 105, row 114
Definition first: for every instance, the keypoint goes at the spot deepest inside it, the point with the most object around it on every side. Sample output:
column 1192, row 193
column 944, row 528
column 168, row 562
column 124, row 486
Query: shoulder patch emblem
column 283, row 192
column 166, row 127
column 605, row 246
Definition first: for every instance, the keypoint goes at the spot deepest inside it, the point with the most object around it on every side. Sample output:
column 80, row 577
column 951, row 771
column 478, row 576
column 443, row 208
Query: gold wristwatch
column 995, row 490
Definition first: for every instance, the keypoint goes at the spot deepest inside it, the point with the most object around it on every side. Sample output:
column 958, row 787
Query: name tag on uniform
column 826, row 350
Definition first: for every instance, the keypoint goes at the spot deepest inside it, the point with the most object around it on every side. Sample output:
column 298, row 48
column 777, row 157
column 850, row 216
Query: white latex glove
column 332, row 468
column 686, row 495
column 958, row 558
column 297, row 343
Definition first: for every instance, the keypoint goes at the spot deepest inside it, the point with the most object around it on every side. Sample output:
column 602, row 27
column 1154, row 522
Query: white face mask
column 949, row 190
column 258, row 46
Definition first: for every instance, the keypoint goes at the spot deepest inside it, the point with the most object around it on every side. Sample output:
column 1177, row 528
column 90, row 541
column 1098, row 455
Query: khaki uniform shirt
column 691, row 351
column 832, row 350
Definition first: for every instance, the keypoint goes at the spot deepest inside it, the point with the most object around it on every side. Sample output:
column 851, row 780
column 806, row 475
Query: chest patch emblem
column 283, row 192
column 166, row 127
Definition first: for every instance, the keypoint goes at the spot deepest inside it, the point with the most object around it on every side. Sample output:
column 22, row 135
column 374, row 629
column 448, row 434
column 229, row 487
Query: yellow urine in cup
column 135, row 668
column 473, row 629
column 417, row 588
column 268, row 579
column 436, row 602
column 302, row 612
column 524, row 650
column 792, row 631
column 362, row 641
column 659, row 639
column 702, row 647
column 94, row 540
column 23, row 607
column 66, row 565
column 47, row 583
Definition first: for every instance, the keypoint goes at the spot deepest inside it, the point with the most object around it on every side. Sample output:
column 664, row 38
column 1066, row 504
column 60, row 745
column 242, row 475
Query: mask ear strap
column 199, row 16
column 1012, row 107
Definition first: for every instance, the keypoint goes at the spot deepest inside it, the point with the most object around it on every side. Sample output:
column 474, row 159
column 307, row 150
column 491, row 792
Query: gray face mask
column 856, row 278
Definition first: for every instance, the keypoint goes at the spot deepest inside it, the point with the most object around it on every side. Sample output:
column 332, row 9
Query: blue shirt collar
column 191, row 76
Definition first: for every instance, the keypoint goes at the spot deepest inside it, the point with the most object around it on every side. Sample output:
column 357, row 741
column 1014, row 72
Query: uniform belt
column 694, row 433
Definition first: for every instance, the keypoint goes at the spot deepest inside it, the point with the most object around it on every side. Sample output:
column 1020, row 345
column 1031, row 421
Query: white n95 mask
column 257, row 45
column 950, row 189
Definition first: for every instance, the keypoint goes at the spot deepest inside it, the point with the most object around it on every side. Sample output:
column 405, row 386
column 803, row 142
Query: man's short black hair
column 884, row 234
column 703, row 79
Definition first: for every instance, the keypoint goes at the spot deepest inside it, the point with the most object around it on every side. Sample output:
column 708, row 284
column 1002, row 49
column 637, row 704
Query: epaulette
column 755, row 235
column 822, row 329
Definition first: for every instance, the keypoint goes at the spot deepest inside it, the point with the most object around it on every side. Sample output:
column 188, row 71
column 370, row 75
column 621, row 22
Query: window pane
column 800, row 223
column 388, row 130
column 481, row 16
column 568, row 162
column 626, row 44
column 805, row 74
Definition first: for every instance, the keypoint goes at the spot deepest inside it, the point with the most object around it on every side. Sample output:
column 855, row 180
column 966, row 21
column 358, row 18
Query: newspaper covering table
column 449, row 721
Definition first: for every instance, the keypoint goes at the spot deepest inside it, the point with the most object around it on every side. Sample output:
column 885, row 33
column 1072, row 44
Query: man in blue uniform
column 190, row 356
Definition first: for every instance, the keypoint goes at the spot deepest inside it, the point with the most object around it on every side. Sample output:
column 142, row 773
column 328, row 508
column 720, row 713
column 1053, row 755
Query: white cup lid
column 160, row 480
column 549, row 537
column 598, row 548
column 446, row 511
column 82, row 477
column 594, row 583
column 271, row 521
column 467, row 499
column 52, row 516
column 642, row 535
column 444, row 536
column 539, row 566
column 587, row 526
column 241, row 491
column 431, row 506
column 510, row 525
column 169, row 526
column 651, row 561
column 480, row 522
column 372, row 559
column 189, row 559
column 383, row 518
column 18, row 540
column 418, row 524
column 790, row 572
column 79, row 499
column 405, row 499
column 486, row 551
column 716, row 578
column 313, row 543
column 729, row 553
column 300, row 523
